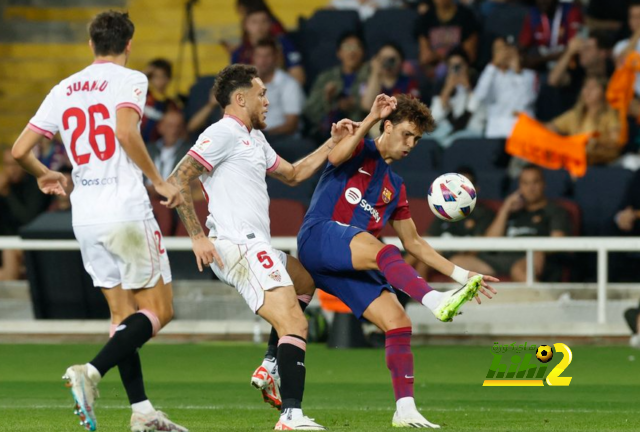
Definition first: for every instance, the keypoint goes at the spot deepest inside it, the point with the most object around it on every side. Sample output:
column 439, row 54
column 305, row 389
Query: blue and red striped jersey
column 363, row 192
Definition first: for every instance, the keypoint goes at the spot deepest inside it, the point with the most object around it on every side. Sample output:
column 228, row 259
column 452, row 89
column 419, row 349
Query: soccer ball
column 452, row 197
column 544, row 353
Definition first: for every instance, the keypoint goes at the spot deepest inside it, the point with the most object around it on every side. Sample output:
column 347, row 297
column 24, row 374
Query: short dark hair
column 255, row 10
column 604, row 41
column 268, row 42
column 162, row 64
column 468, row 172
column 348, row 35
column 533, row 167
column 412, row 110
column 460, row 52
column 232, row 78
column 110, row 32
column 394, row 46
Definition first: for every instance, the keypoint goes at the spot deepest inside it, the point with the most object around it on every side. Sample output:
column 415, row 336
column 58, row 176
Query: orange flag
column 532, row 141
column 620, row 91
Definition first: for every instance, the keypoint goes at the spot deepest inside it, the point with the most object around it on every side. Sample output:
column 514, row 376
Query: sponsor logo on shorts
column 275, row 275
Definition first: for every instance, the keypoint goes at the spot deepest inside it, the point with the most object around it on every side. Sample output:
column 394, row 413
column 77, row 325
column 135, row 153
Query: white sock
column 432, row 299
column 292, row 414
column 406, row 404
column 93, row 373
column 143, row 407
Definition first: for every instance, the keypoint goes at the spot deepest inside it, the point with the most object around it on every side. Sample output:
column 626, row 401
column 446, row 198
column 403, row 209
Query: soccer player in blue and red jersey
column 338, row 242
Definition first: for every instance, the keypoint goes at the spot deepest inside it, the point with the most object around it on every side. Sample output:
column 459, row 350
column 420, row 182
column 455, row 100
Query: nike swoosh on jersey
column 360, row 170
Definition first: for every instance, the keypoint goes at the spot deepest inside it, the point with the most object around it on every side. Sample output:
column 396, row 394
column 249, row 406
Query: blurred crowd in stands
column 478, row 64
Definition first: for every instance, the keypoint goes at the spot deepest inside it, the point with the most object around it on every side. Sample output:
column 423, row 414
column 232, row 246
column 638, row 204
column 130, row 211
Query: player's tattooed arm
column 185, row 172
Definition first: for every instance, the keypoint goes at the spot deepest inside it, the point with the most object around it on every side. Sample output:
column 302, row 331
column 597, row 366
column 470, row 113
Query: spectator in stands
column 386, row 76
column 159, row 72
column 456, row 109
column 506, row 89
column 286, row 97
column 475, row 225
column 365, row 8
column 171, row 147
column 257, row 26
column 205, row 116
column 20, row 202
column 525, row 213
column 628, row 45
column 592, row 114
column 547, row 29
column 244, row 6
column 607, row 15
column 336, row 92
column 445, row 26
column 584, row 56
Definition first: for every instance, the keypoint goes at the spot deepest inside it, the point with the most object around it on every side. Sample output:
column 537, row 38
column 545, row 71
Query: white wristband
column 460, row 275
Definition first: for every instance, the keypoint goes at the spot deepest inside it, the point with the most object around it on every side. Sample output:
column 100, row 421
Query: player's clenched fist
column 206, row 253
column 170, row 192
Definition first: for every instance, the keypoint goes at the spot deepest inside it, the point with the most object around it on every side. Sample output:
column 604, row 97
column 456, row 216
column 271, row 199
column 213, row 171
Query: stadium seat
column 392, row 25
column 301, row 193
column 599, row 194
column 319, row 35
column 479, row 154
column 573, row 210
column 418, row 183
column 202, row 212
column 491, row 184
column 492, row 204
column 425, row 156
column 286, row 217
column 164, row 217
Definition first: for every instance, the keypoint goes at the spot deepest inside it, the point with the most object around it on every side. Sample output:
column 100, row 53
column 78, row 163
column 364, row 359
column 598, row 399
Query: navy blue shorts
column 323, row 249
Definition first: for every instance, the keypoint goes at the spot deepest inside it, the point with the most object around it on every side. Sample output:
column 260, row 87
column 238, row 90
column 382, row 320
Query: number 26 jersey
column 108, row 186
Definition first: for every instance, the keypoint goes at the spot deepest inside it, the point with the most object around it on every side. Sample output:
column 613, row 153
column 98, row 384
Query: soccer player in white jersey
column 97, row 112
column 231, row 158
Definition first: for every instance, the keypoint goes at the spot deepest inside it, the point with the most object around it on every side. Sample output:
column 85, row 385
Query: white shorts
column 130, row 254
column 252, row 269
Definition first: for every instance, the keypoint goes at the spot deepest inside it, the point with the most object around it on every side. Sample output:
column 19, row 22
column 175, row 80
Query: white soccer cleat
column 154, row 422
column 453, row 300
column 412, row 419
column 301, row 423
column 85, row 393
column 267, row 384
column 634, row 341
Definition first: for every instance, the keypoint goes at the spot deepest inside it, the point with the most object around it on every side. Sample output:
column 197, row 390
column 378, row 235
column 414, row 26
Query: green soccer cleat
column 454, row 299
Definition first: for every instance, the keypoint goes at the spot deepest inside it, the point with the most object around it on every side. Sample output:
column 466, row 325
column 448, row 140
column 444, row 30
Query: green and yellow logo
column 525, row 370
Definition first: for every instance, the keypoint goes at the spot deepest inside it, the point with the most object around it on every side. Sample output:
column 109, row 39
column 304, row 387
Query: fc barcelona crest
column 386, row 196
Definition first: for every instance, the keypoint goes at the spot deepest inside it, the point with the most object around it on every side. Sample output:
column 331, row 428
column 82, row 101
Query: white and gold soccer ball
column 452, row 197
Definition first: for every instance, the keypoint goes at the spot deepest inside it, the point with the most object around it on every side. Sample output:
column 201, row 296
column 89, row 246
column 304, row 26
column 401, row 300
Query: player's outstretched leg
column 387, row 313
column 281, row 309
column 444, row 305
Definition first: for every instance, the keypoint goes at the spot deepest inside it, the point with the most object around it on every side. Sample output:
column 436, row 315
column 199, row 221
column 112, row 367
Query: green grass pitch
column 206, row 388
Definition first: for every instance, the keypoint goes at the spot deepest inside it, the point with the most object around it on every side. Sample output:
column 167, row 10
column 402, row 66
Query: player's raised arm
column 184, row 173
column 129, row 137
column 383, row 105
column 294, row 174
column 419, row 248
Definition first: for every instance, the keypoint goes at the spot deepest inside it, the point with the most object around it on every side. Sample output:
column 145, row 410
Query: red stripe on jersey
column 358, row 183
column 374, row 226
column 131, row 105
column 200, row 159
column 204, row 192
column 40, row 131
column 402, row 209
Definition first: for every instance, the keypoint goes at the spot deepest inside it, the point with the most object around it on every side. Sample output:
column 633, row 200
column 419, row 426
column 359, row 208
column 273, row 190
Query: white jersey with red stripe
column 236, row 160
column 107, row 184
